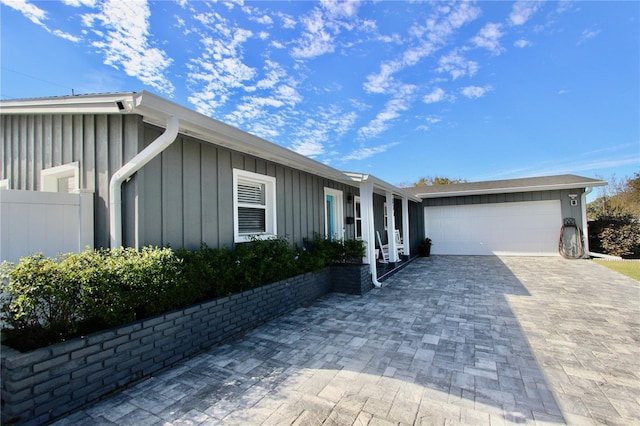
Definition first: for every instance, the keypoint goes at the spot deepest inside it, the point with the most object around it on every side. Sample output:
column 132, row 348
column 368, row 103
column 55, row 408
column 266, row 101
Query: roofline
column 507, row 190
column 155, row 110
column 380, row 184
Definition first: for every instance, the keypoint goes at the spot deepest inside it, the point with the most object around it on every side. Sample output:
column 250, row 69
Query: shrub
column 622, row 240
column 615, row 235
column 51, row 299
column 41, row 301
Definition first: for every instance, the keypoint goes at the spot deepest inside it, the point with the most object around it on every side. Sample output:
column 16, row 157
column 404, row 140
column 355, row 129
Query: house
column 160, row 174
column 504, row 217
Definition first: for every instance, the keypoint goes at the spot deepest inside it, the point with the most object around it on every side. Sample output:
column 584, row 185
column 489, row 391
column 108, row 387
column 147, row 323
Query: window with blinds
column 254, row 205
column 251, row 207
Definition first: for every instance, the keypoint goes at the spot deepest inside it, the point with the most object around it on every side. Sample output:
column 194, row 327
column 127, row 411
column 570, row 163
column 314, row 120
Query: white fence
column 44, row 222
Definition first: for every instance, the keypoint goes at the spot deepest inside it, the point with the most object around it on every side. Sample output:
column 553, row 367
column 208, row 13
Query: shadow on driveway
column 455, row 340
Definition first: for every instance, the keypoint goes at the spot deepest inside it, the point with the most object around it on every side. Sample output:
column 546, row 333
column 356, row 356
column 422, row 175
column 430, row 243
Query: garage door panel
column 522, row 228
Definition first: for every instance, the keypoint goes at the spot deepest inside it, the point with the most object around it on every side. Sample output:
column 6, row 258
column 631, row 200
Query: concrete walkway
column 448, row 340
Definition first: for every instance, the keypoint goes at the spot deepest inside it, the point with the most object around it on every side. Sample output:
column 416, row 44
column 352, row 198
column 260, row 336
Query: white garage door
column 523, row 228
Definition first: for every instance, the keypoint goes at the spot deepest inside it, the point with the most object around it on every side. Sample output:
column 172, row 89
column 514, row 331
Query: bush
column 621, row 240
column 615, row 235
column 52, row 299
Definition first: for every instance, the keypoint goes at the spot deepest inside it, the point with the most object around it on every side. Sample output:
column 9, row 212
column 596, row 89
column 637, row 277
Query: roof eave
column 155, row 110
column 512, row 189
column 381, row 185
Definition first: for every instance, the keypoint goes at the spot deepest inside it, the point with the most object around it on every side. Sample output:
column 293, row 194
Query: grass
column 630, row 269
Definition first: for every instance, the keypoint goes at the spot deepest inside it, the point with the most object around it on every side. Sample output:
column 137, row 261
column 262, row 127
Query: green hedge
column 615, row 235
column 47, row 300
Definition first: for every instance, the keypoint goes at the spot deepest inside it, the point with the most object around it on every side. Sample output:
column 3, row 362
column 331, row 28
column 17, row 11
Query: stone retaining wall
column 46, row 383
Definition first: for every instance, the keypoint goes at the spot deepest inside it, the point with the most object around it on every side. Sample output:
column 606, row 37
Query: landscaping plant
column 47, row 300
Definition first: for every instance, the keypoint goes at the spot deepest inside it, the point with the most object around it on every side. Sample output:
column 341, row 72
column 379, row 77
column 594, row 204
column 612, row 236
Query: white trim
column 357, row 218
column 271, row 221
column 49, row 178
column 509, row 190
column 5, row 184
column 338, row 218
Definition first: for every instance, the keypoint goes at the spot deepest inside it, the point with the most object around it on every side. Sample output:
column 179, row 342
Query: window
column 65, row 178
column 358, row 217
column 254, row 198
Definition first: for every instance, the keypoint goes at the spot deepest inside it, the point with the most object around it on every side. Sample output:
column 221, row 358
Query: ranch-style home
column 135, row 169
column 142, row 170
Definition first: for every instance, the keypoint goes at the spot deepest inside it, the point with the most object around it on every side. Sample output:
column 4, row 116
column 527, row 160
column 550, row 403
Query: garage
column 519, row 228
column 516, row 217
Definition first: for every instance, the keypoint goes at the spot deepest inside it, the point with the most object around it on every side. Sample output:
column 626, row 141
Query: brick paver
column 447, row 340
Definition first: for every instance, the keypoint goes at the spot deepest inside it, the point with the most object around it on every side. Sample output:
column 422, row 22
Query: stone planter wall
column 46, row 383
column 351, row 279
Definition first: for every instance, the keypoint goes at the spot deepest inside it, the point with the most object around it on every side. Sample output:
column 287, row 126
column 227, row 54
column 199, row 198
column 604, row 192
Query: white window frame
column 357, row 218
column 338, row 216
column 271, row 219
column 49, row 177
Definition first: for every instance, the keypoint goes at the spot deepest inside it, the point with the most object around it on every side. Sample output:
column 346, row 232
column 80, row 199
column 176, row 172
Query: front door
column 333, row 215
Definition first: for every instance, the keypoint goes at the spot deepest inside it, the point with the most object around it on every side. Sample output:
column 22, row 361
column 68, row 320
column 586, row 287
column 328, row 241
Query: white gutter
column 585, row 224
column 126, row 171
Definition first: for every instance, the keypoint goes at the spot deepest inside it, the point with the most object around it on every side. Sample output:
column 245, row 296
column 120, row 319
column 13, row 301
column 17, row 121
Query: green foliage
column 615, row 235
column 621, row 240
column 52, row 299
column 436, row 180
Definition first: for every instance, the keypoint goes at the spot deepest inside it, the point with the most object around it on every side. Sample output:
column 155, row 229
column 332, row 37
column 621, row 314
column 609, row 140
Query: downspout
column 585, row 224
column 368, row 228
column 125, row 172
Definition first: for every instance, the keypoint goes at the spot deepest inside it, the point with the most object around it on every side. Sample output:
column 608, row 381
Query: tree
column 436, row 180
column 620, row 198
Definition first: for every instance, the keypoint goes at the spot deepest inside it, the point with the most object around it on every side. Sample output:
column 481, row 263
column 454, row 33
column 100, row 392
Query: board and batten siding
column 185, row 196
column 101, row 144
column 182, row 198
column 563, row 195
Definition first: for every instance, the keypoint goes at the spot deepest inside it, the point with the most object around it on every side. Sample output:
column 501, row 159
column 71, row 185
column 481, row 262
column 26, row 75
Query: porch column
column 368, row 229
column 405, row 226
column 391, row 226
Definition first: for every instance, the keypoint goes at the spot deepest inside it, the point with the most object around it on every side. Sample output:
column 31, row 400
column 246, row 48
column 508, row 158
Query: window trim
column 271, row 220
column 338, row 219
column 49, row 177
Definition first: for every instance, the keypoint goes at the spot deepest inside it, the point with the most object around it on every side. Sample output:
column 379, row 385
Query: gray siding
column 182, row 198
column 187, row 195
column 563, row 195
column 100, row 143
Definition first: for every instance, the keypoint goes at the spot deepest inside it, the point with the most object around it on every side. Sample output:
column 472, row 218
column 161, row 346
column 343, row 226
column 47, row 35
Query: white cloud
column 489, row 38
column 586, row 35
column 436, row 95
column 432, row 36
column 457, row 66
column 66, row 36
column 29, row 10
column 563, row 92
column 400, row 102
column 522, row 43
column 473, row 92
column 126, row 43
column 315, row 40
column 287, row 21
column 366, row 152
column 342, row 9
column 78, row 3
column 523, row 10
column 326, row 125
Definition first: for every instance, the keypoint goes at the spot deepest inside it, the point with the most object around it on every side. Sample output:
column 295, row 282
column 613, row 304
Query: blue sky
column 403, row 90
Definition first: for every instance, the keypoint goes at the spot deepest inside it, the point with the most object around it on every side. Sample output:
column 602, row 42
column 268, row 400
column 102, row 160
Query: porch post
column 368, row 228
column 405, row 226
column 391, row 226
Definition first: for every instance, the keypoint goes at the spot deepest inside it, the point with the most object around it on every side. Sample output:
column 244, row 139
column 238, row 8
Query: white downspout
column 368, row 228
column 125, row 172
column 585, row 224
column 405, row 227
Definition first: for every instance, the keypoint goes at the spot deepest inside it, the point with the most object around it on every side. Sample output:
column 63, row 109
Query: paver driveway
column 448, row 340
